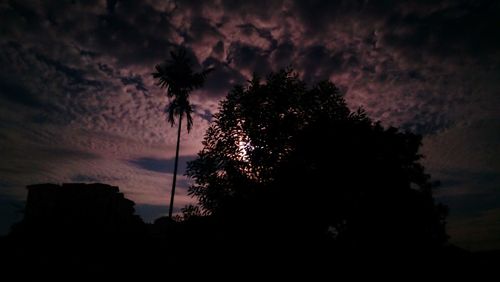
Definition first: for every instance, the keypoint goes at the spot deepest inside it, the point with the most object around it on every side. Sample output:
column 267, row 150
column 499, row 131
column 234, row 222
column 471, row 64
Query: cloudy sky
column 78, row 103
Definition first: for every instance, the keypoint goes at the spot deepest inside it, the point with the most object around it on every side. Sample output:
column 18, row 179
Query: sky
column 78, row 102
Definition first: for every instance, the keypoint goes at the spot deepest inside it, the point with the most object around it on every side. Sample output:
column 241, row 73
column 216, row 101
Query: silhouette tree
column 281, row 154
column 177, row 77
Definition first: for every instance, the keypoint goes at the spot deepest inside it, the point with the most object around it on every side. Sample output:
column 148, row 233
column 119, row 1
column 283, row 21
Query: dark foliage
column 293, row 163
column 177, row 77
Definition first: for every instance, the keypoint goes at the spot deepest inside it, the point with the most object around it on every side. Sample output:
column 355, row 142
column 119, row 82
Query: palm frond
column 178, row 79
column 189, row 118
column 171, row 111
column 199, row 78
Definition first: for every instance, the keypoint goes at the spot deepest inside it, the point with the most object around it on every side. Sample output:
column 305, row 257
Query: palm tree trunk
column 172, row 193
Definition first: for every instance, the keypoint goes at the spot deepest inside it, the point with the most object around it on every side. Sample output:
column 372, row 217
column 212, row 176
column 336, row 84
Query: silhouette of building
column 78, row 209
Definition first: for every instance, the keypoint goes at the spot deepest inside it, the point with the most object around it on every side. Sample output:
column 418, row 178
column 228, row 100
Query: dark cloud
column 131, row 44
column 84, row 178
column 110, row 5
column 218, row 48
column 98, row 178
column 28, row 14
column 199, row 29
column 319, row 63
column 16, row 92
column 318, row 15
column 55, row 153
column 261, row 8
column 249, row 30
column 283, row 55
column 461, row 28
column 106, row 69
column 135, row 80
column 77, row 80
column 250, row 58
column 162, row 165
column 222, row 78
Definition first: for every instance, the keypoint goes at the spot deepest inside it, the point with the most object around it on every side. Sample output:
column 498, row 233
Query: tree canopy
column 298, row 161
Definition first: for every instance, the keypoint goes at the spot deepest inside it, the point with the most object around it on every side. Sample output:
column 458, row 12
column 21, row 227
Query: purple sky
column 78, row 104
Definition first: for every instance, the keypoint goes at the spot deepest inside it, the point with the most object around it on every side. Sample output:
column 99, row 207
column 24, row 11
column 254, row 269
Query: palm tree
column 177, row 77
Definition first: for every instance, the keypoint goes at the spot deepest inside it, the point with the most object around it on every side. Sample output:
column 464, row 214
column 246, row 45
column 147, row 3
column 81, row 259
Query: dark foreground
column 78, row 232
column 196, row 250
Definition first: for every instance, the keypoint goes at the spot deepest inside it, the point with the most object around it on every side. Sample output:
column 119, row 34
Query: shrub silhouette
column 284, row 162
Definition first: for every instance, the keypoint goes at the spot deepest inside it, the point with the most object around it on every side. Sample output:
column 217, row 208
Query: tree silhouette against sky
column 296, row 162
column 177, row 77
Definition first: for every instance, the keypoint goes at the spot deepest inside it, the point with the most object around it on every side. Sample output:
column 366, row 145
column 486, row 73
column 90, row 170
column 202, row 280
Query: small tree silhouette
column 177, row 77
column 280, row 154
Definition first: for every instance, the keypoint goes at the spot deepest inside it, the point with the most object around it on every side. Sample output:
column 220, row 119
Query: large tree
column 298, row 161
column 177, row 77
